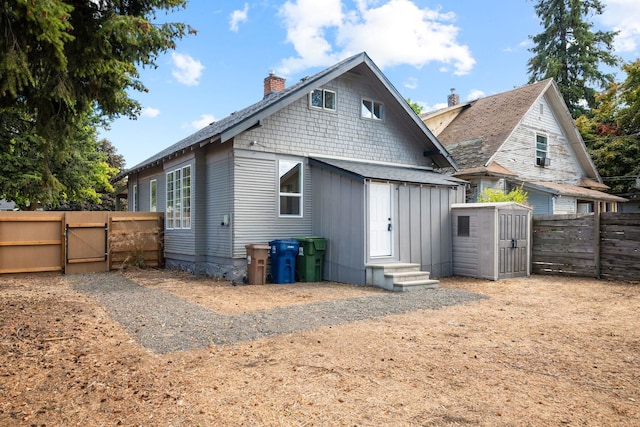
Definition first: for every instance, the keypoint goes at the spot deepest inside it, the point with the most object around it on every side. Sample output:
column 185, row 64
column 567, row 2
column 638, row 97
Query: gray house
column 339, row 154
column 525, row 136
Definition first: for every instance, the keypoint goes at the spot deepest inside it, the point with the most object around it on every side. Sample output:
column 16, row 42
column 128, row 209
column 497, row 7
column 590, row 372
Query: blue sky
column 424, row 47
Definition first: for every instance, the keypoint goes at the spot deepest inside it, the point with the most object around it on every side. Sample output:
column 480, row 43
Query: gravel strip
column 164, row 322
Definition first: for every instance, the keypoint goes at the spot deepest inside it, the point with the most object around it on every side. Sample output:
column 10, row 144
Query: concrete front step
column 399, row 277
column 414, row 285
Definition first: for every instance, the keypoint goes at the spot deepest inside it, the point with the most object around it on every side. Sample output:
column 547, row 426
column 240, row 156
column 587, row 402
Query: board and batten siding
column 255, row 209
column 301, row 130
column 339, row 216
column 424, row 226
column 518, row 154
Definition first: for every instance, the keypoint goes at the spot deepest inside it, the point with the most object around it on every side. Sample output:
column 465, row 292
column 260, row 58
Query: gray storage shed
column 491, row 240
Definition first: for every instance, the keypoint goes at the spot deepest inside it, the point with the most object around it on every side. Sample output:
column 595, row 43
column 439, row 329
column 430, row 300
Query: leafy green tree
column 612, row 132
column 61, row 61
column 414, row 106
column 571, row 52
column 490, row 195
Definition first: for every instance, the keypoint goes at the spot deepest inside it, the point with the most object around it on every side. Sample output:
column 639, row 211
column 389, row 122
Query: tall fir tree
column 570, row 51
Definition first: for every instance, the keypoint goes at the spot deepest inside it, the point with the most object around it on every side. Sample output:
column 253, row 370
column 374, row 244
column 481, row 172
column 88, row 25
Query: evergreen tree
column 64, row 64
column 571, row 52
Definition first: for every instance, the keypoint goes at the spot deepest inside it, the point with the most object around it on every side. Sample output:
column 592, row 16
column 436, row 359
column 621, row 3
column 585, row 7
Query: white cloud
column 186, row 69
column 392, row 32
column 475, row 94
column 411, row 83
column 238, row 16
column 622, row 15
column 205, row 120
column 150, row 112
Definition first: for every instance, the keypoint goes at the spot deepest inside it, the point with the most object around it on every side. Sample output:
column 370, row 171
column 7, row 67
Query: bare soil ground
column 539, row 351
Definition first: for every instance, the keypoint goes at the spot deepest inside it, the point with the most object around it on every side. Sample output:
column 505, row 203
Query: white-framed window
column 290, row 188
column 134, row 205
column 323, row 99
column 542, row 150
column 372, row 109
column 153, row 195
column 178, row 213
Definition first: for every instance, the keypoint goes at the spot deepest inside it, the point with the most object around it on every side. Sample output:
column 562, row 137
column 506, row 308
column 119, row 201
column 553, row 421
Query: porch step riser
column 400, row 277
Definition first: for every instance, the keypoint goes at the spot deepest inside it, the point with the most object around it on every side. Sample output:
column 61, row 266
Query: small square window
column 324, row 99
column 463, row 226
column 372, row 109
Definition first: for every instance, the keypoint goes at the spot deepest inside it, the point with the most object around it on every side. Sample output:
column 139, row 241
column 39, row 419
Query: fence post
column 596, row 238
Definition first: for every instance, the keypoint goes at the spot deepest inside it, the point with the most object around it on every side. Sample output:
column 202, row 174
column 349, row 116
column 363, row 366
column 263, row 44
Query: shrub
column 517, row 195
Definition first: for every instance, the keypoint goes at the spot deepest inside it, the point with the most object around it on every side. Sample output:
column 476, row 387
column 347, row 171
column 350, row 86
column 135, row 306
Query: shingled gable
column 225, row 129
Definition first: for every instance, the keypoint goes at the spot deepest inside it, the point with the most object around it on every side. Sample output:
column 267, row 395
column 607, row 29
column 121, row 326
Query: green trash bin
column 310, row 260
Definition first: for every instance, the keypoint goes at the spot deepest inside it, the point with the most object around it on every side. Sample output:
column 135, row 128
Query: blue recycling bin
column 283, row 260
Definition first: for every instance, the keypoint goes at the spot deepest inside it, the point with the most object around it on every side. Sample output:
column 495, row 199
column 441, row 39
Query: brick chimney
column 273, row 83
column 454, row 98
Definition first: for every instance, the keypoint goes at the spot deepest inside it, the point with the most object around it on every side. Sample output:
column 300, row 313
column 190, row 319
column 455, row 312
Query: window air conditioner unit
column 543, row 161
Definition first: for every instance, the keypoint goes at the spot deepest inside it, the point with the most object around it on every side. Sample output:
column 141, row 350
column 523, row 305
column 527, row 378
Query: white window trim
column 298, row 195
column 153, row 190
column 324, row 107
column 177, row 220
column 373, row 103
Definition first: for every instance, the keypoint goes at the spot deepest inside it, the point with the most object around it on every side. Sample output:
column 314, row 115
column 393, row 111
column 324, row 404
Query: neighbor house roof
column 572, row 190
column 361, row 170
column 478, row 129
column 247, row 118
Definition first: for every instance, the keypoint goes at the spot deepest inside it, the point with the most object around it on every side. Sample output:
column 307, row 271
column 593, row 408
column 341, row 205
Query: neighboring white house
column 524, row 136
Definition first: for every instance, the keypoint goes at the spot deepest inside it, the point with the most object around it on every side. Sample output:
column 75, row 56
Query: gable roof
column 225, row 129
column 481, row 127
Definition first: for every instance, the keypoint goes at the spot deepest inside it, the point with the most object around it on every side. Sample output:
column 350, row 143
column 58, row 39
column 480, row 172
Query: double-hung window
column 323, row 99
column 542, row 150
column 178, row 214
column 290, row 188
column 372, row 109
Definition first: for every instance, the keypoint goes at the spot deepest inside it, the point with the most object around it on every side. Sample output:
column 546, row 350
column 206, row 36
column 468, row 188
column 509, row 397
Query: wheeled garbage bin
column 283, row 260
column 310, row 258
column 257, row 255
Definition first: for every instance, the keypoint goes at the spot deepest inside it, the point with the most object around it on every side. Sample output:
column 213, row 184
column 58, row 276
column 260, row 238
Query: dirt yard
column 538, row 351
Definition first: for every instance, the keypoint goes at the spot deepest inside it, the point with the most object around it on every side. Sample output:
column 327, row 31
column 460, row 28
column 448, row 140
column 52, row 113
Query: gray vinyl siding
column 541, row 203
column 301, row 130
column 219, row 203
column 256, row 217
column 339, row 216
column 424, row 225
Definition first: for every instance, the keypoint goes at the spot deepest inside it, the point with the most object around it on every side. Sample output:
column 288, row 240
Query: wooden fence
column 602, row 246
column 79, row 242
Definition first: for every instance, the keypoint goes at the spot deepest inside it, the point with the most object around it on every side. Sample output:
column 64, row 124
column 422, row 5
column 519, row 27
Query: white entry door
column 380, row 224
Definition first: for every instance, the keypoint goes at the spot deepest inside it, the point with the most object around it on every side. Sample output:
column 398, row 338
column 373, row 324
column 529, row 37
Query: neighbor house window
column 372, row 109
column 290, row 190
column 541, row 150
column 134, row 206
column 178, row 214
column 153, row 195
column 322, row 98
column 463, row 226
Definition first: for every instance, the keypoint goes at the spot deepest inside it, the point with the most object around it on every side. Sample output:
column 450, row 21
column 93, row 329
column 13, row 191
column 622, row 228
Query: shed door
column 513, row 246
column 380, row 219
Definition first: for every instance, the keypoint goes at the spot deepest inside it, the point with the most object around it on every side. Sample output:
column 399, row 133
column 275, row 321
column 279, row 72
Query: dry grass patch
column 538, row 351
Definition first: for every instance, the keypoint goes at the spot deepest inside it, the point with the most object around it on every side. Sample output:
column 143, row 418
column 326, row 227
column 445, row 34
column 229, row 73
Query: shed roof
column 572, row 190
column 385, row 172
